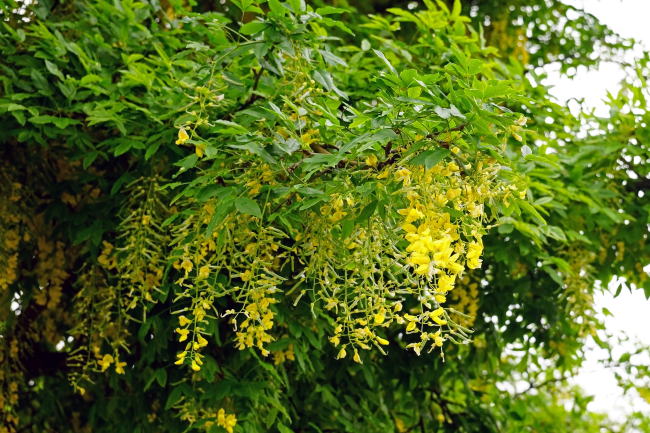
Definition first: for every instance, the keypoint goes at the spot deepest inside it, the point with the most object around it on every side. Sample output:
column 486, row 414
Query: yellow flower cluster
column 439, row 249
column 51, row 272
column 465, row 302
column 335, row 210
column 139, row 256
column 205, row 418
column 366, row 279
column 253, row 330
column 226, row 420
column 193, row 331
column 257, row 176
column 105, row 361
column 10, row 236
column 9, row 259
column 250, row 258
column 280, row 356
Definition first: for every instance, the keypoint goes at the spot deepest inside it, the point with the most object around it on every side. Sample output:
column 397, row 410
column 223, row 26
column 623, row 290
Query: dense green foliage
column 276, row 216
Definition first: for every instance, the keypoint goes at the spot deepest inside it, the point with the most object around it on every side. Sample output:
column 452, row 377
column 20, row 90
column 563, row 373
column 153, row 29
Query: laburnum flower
column 204, row 271
column 246, row 276
column 182, row 136
column 435, row 316
column 372, row 160
column 412, row 322
column 382, row 341
column 184, row 321
column 200, row 342
column 183, row 334
column 474, row 252
column 437, row 338
column 119, row 366
column 199, row 150
column 446, row 282
column 181, row 358
column 187, row 265
column 227, row 421
column 105, row 362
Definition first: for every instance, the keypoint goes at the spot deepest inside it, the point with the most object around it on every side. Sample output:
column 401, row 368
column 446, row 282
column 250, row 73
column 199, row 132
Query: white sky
column 630, row 310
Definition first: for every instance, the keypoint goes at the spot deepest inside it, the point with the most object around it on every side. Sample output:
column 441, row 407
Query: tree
column 273, row 216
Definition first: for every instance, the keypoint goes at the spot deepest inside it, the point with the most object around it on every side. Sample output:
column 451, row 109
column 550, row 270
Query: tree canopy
column 292, row 216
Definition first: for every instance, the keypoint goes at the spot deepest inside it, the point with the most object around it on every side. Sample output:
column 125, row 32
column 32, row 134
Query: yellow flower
column 195, row 366
column 184, row 320
column 379, row 318
column 182, row 136
column 183, row 334
column 342, row 353
column 356, row 357
column 371, row 160
column 438, row 340
column 119, row 366
column 187, row 265
column 473, row 255
column 384, row 174
column 246, row 276
column 382, row 341
column 204, row 271
column 435, row 316
column 105, row 362
column 227, row 421
column 411, row 326
column 404, row 175
column 446, row 283
column 201, row 341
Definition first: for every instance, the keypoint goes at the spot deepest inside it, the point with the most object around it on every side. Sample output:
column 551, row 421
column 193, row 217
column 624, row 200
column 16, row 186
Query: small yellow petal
column 410, row 327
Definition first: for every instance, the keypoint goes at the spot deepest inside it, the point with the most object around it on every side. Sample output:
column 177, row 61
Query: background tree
column 273, row 216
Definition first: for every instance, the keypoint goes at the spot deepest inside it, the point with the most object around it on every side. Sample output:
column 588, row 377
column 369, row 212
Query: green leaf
column 229, row 128
column 252, row 27
column 329, row 10
column 54, row 70
column 249, row 207
column 151, row 150
column 188, row 162
column 383, row 57
column 161, row 377
column 455, row 12
column 225, row 206
column 332, row 59
column 276, row 7
column 555, row 233
column 298, row 5
column 430, row 158
column 59, row 122
column 89, row 158
column 174, row 396
column 367, row 212
column 283, row 428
